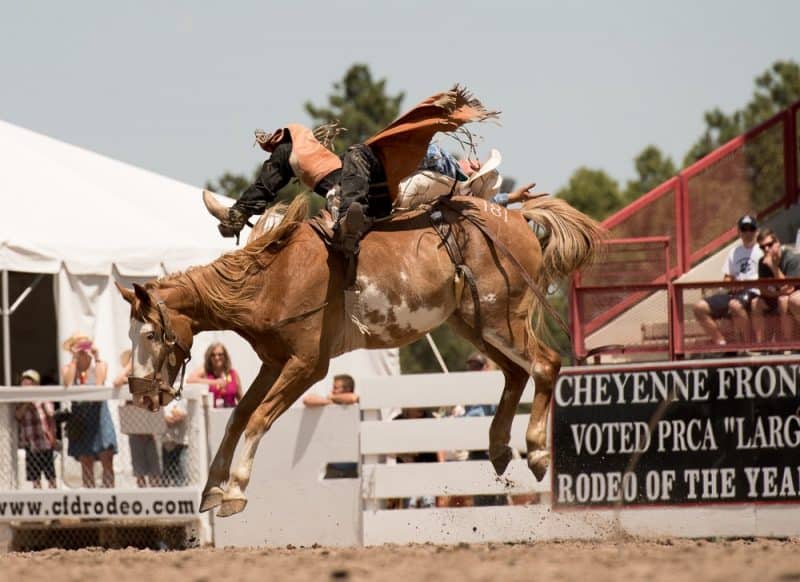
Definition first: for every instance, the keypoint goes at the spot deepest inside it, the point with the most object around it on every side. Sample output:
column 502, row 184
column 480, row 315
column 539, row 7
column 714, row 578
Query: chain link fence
column 84, row 467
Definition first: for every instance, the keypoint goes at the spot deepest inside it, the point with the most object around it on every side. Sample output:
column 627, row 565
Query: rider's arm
column 518, row 195
column 315, row 400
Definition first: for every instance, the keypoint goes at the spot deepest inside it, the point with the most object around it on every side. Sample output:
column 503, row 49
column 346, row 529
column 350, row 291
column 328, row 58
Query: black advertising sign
column 679, row 435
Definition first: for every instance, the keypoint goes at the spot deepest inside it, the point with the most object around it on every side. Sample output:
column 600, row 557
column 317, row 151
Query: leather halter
column 154, row 386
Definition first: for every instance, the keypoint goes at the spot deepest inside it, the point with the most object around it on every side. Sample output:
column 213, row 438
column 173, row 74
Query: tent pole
column 6, row 333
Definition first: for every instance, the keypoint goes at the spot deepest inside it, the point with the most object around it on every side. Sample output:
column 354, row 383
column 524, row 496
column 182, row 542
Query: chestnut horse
column 284, row 293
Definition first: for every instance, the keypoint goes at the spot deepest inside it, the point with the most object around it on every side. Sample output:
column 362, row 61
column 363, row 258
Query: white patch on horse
column 403, row 276
column 141, row 356
column 489, row 298
column 376, row 312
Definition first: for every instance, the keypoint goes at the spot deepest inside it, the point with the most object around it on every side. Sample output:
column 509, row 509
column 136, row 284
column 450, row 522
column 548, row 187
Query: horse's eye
column 151, row 336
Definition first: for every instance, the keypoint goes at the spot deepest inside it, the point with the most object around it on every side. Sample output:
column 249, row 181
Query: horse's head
column 162, row 341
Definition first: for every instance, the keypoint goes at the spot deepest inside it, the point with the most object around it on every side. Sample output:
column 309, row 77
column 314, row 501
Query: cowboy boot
column 232, row 224
column 231, row 220
column 350, row 228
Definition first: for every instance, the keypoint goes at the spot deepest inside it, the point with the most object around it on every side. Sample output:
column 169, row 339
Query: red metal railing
column 698, row 341
column 632, row 270
column 696, row 212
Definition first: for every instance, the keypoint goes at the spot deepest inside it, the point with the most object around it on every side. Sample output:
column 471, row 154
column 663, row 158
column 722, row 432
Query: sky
column 178, row 87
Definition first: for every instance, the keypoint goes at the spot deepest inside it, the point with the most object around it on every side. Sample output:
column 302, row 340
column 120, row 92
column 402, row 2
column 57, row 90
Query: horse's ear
column 141, row 294
column 127, row 294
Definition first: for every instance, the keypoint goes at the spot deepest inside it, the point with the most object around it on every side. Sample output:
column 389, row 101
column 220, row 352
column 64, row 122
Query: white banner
column 155, row 503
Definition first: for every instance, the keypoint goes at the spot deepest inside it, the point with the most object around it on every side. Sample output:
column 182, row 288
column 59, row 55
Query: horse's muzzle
column 150, row 393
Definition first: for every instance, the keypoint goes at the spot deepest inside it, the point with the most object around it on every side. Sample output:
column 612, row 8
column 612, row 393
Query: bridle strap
column 171, row 340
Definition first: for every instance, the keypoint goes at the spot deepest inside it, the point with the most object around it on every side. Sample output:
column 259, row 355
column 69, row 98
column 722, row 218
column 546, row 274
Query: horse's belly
column 396, row 313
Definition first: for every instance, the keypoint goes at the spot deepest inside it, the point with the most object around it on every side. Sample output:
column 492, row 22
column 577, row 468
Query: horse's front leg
column 295, row 378
column 219, row 470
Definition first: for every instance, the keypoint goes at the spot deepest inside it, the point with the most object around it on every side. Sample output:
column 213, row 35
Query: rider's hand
column 522, row 194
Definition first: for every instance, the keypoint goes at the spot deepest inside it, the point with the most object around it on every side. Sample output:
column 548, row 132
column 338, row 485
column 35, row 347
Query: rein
column 509, row 255
column 445, row 231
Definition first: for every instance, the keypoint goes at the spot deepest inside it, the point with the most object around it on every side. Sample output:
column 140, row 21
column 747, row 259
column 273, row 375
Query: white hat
column 32, row 375
column 486, row 182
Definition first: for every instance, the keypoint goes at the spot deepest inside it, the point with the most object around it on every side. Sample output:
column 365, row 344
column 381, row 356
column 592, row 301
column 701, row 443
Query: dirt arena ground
column 668, row 560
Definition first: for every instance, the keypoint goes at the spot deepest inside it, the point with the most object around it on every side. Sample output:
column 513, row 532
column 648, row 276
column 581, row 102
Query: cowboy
column 440, row 174
column 372, row 171
column 296, row 152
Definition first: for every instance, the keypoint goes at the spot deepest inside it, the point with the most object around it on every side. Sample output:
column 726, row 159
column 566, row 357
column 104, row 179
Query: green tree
column 652, row 168
column 593, row 192
column 775, row 89
column 359, row 104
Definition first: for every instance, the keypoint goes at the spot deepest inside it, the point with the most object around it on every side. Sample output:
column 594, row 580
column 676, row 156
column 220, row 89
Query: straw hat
column 75, row 339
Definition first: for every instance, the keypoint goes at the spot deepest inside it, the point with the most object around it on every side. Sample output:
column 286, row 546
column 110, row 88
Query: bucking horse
column 472, row 264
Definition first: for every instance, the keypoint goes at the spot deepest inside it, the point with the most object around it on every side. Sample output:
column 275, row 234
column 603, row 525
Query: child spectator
column 37, row 435
column 144, row 452
column 175, row 444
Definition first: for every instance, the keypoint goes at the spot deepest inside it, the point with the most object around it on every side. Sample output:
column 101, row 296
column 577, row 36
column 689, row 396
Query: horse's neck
column 185, row 301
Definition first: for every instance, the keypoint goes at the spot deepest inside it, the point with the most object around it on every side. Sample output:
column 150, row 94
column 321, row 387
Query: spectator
column 90, row 429
column 37, row 435
column 477, row 362
column 175, row 444
column 450, row 456
column 223, row 381
column 144, row 453
column 426, row 500
column 741, row 265
column 778, row 262
column 343, row 391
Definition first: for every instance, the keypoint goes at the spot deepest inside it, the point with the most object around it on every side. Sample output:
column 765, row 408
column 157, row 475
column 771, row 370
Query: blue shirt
column 442, row 162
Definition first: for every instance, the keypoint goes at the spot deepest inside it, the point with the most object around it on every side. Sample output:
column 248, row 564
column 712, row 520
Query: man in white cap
column 741, row 265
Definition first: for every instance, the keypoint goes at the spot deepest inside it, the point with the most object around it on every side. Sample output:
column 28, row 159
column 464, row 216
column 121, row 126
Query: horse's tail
column 573, row 240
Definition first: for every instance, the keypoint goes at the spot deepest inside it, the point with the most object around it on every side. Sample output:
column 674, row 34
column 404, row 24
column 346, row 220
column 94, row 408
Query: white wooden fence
column 291, row 502
column 383, row 480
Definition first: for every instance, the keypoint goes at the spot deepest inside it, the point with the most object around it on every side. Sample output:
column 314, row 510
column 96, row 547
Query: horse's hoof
column 501, row 459
column 232, row 506
column 538, row 462
column 211, row 498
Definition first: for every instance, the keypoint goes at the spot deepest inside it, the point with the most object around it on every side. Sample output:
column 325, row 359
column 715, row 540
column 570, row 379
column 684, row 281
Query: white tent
column 89, row 220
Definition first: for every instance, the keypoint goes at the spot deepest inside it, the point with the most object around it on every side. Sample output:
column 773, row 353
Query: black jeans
column 364, row 181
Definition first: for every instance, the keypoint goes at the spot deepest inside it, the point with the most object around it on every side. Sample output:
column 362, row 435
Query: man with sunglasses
column 778, row 262
column 741, row 265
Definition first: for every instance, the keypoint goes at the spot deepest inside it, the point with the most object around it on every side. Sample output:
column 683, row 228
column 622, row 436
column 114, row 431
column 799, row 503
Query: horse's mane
column 226, row 285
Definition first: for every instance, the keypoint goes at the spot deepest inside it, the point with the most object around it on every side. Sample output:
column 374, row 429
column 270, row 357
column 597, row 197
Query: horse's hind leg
column 516, row 377
column 220, row 467
column 297, row 375
column 545, row 372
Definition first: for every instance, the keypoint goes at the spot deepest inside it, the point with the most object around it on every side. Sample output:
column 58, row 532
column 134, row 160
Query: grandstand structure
column 667, row 248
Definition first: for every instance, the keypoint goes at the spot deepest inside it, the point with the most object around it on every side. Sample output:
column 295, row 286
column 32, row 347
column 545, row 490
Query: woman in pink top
column 223, row 380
